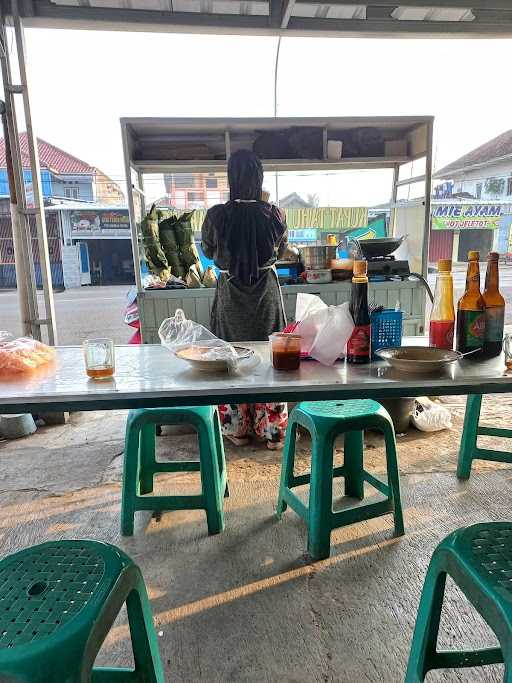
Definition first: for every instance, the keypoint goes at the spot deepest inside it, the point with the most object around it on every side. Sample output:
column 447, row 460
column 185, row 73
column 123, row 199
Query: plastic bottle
column 494, row 308
column 471, row 311
column 358, row 346
column 442, row 318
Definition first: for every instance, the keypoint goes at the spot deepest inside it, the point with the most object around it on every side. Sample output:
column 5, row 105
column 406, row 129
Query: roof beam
column 394, row 28
column 287, row 13
column 464, row 4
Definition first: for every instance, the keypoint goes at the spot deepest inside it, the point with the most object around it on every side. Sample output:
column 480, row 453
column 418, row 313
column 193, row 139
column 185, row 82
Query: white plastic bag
column 325, row 330
column 179, row 333
column 428, row 416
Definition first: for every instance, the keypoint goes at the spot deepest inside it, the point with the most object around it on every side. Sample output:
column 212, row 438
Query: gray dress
column 246, row 311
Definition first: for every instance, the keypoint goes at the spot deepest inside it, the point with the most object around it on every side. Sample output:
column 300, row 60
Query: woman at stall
column 244, row 237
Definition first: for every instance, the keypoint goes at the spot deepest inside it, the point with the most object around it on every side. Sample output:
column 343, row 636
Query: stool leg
column 210, row 479
column 221, row 455
column 320, row 498
column 147, row 458
column 424, row 642
column 129, row 489
column 353, row 464
column 469, row 435
column 394, row 479
column 287, row 465
column 144, row 641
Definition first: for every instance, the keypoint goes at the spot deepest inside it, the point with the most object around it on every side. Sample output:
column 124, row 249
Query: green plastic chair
column 58, row 602
column 140, row 465
column 469, row 450
column 479, row 560
column 325, row 420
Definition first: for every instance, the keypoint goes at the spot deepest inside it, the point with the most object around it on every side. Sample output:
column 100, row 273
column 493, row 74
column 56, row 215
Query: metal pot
column 318, row 258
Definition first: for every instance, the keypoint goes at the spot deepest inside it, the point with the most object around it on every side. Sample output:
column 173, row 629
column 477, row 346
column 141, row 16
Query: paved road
column 80, row 313
column 99, row 311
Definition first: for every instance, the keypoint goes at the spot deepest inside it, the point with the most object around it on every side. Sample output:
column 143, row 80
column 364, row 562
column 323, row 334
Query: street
column 80, row 313
column 99, row 311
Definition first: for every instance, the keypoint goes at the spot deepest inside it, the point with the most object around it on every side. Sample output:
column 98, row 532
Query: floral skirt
column 264, row 420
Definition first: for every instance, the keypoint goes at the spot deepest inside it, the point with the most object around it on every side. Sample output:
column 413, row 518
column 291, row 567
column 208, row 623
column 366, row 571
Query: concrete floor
column 246, row 606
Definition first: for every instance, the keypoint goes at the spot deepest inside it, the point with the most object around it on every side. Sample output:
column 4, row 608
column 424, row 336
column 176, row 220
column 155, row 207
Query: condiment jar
column 285, row 350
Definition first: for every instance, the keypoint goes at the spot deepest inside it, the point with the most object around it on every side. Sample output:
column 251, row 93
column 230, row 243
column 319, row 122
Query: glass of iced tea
column 507, row 350
column 99, row 355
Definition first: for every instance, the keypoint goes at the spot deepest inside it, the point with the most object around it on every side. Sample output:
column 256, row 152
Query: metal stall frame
column 415, row 132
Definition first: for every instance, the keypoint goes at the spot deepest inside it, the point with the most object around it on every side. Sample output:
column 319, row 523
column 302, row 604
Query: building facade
column 195, row 190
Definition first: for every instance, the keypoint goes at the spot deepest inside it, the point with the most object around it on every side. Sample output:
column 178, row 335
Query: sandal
column 238, row 440
column 275, row 445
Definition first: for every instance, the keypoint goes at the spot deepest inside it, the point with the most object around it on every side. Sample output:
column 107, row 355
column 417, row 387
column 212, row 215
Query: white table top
column 150, row 376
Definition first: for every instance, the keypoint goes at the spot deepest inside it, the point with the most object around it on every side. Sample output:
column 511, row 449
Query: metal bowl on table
column 424, row 360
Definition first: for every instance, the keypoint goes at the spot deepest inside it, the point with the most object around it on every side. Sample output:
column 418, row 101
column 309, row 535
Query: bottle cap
column 473, row 256
column 444, row 265
column 493, row 256
column 360, row 268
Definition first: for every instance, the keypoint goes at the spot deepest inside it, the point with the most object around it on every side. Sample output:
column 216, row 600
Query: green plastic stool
column 140, row 465
column 479, row 560
column 325, row 420
column 469, row 450
column 58, row 602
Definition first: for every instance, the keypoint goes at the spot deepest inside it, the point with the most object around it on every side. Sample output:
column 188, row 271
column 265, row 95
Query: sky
column 82, row 82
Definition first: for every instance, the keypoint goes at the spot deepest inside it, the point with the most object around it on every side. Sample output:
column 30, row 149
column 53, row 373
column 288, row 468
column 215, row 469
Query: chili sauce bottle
column 494, row 308
column 471, row 311
column 358, row 346
column 442, row 318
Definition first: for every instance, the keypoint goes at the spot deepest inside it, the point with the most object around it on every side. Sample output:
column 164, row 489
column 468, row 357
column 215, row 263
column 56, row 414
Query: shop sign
column 94, row 222
column 466, row 216
column 303, row 235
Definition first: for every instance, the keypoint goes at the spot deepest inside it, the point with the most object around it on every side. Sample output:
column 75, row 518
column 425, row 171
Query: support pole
column 394, row 194
column 428, row 194
column 131, row 210
column 23, row 260
column 40, row 218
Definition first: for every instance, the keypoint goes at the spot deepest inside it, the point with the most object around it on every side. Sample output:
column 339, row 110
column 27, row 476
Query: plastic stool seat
column 141, row 465
column 469, row 449
column 325, row 420
column 479, row 560
column 58, row 602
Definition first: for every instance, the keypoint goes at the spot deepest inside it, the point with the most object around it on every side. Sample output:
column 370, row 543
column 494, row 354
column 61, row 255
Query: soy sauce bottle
column 494, row 308
column 358, row 346
column 471, row 311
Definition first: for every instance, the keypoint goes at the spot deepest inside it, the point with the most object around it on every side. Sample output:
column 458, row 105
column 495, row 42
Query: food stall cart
column 167, row 145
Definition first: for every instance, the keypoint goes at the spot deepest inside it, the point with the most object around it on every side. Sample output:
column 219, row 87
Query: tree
column 313, row 200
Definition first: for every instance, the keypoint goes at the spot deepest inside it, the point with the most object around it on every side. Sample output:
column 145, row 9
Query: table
column 150, row 376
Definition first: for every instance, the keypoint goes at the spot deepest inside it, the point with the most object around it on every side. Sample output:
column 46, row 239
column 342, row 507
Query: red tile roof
column 500, row 146
column 50, row 157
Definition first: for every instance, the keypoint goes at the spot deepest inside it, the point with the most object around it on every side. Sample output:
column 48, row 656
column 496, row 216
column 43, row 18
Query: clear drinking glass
column 507, row 350
column 99, row 355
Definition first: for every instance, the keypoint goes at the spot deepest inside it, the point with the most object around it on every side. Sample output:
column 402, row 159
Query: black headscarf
column 252, row 227
column 245, row 175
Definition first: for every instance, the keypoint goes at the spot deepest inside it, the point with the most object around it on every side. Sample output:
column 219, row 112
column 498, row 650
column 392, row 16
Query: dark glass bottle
column 471, row 312
column 358, row 346
column 494, row 308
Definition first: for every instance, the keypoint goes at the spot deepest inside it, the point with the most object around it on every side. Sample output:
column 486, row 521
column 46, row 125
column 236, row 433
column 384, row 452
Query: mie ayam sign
column 466, row 216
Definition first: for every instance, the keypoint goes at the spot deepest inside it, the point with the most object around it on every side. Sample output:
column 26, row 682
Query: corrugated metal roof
column 278, row 17
column 50, row 157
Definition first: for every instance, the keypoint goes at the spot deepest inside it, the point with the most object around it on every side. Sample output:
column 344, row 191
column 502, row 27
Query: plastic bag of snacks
column 22, row 354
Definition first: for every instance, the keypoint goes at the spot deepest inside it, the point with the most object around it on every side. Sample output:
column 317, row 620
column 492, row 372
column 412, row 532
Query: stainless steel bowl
column 318, row 258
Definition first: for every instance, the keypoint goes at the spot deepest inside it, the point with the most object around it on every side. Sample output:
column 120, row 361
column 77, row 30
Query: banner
column 466, row 216
column 89, row 222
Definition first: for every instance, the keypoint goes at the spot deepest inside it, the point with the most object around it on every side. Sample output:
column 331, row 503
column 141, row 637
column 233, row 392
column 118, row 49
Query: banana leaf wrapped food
column 170, row 246
column 189, row 255
column 155, row 255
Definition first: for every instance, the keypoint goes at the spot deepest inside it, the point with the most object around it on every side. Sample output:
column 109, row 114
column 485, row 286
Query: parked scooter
column 131, row 316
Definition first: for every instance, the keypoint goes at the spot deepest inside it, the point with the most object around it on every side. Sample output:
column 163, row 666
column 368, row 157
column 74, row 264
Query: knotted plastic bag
column 325, row 330
column 178, row 333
